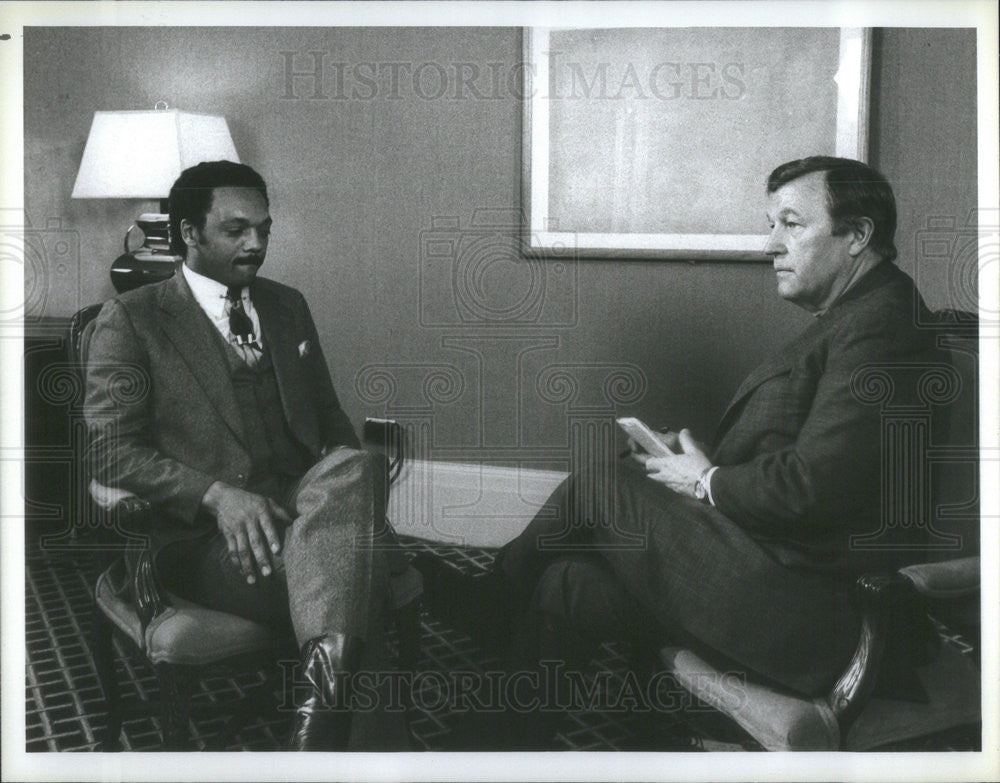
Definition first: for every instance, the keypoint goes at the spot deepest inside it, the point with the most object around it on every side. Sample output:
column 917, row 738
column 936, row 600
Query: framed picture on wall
column 657, row 142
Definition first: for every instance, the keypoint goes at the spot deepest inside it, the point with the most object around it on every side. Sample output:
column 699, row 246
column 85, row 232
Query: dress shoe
column 323, row 719
column 478, row 605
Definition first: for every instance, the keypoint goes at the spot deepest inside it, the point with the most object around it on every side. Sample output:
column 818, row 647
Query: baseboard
column 468, row 504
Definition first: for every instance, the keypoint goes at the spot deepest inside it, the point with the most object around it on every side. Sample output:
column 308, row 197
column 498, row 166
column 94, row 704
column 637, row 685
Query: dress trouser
column 635, row 561
column 327, row 578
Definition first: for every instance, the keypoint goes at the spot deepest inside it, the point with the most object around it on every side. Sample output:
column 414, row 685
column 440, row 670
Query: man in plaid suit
column 742, row 549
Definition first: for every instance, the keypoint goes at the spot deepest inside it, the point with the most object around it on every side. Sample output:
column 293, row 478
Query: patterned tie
column 241, row 327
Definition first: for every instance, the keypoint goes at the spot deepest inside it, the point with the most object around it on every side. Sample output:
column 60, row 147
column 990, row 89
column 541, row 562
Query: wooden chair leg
column 102, row 648
column 175, row 694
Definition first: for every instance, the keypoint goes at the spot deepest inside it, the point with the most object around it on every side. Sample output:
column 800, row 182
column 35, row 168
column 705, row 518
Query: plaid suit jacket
column 160, row 407
column 801, row 454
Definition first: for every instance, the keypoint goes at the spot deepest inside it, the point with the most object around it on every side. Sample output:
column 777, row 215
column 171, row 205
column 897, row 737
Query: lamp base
column 131, row 270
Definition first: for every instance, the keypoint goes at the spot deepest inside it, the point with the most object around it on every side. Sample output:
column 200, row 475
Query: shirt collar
column 210, row 294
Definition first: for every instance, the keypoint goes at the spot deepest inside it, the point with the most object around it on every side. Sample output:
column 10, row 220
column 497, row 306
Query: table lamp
column 138, row 155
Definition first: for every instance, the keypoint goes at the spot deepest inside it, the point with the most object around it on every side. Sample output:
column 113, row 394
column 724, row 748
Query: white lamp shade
column 139, row 154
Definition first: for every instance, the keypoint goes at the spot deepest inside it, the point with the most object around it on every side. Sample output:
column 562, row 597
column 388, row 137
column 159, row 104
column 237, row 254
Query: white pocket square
column 305, row 348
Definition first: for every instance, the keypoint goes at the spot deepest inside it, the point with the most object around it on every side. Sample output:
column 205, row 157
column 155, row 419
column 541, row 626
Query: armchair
column 902, row 681
column 183, row 642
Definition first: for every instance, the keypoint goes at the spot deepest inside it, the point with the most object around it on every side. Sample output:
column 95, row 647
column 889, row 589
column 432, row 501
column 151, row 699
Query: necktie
column 241, row 327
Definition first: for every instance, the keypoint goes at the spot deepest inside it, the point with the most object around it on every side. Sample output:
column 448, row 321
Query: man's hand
column 248, row 522
column 681, row 471
column 668, row 439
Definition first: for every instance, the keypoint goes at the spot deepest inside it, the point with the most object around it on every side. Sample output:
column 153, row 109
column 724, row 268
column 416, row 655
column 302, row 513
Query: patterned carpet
column 66, row 711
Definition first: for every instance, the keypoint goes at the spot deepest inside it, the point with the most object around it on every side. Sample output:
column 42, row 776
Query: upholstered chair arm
column 150, row 597
column 949, row 579
column 109, row 498
column 132, row 514
column 891, row 613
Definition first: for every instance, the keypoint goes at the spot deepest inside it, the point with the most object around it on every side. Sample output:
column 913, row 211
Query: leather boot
column 323, row 718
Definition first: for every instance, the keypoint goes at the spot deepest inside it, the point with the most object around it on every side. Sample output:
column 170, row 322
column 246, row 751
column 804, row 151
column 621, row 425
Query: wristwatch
column 701, row 485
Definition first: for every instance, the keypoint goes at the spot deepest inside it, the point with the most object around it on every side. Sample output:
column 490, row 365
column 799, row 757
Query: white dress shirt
column 708, row 483
column 211, row 297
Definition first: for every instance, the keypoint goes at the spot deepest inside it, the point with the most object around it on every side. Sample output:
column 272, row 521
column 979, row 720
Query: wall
column 925, row 143
column 357, row 183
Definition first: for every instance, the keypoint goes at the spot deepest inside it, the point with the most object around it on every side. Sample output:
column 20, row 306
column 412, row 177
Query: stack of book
column 156, row 246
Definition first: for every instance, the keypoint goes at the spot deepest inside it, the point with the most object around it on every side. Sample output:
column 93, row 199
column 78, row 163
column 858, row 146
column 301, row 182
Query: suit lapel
column 770, row 368
column 763, row 372
column 277, row 323
column 190, row 330
column 880, row 275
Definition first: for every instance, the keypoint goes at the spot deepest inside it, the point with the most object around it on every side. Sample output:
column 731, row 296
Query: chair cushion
column 947, row 579
column 781, row 721
column 182, row 633
column 777, row 720
column 186, row 633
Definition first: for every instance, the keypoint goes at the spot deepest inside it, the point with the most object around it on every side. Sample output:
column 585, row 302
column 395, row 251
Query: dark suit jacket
column 801, row 453
column 160, row 406
column 766, row 578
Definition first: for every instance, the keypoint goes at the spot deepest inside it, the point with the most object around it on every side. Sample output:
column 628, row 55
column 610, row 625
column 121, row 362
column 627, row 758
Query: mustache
column 255, row 260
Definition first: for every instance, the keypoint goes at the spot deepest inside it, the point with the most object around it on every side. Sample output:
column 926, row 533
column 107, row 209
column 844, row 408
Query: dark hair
column 853, row 190
column 191, row 195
